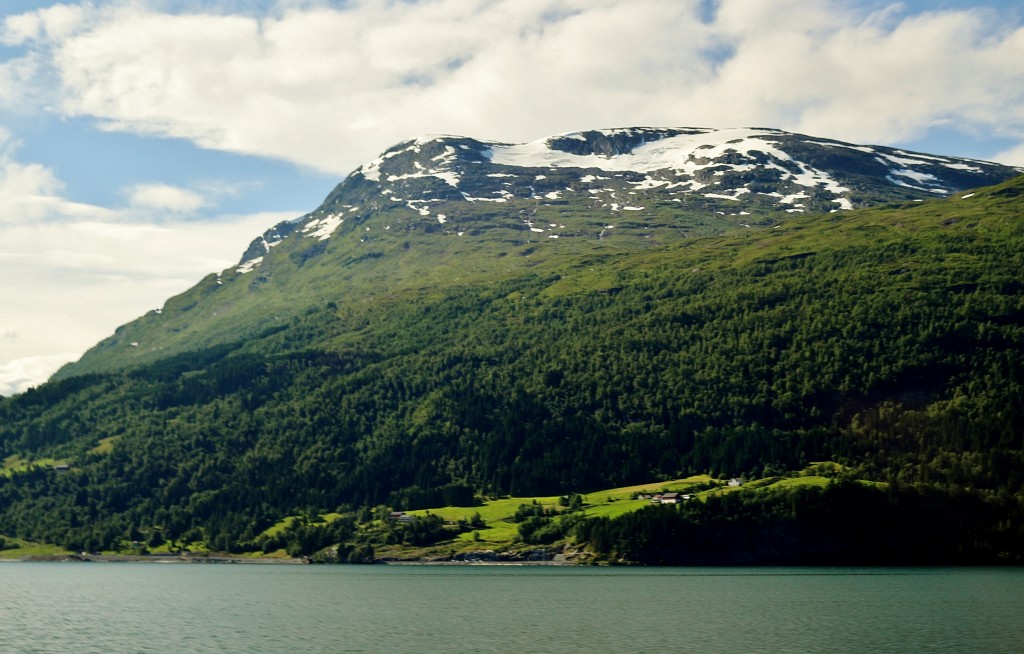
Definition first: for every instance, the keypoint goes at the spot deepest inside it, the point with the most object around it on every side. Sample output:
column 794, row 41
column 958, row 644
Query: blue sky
column 144, row 143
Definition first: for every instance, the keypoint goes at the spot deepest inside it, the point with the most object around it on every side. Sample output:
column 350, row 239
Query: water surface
column 109, row 607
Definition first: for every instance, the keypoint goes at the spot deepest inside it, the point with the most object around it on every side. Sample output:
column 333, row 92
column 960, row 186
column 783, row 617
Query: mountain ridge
column 500, row 205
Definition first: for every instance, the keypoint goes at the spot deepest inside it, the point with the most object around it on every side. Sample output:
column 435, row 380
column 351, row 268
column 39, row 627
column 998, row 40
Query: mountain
column 423, row 339
column 438, row 210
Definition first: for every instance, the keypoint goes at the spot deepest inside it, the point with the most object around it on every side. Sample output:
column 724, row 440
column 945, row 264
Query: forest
column 890, row 340
column 845, row 523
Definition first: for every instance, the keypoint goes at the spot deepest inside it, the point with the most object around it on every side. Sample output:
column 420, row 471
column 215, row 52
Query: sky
column 145, row 143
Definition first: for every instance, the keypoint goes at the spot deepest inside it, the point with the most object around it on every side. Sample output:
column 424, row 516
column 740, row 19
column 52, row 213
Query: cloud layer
column 72, row 272
column 75, row 282
column 328, row 87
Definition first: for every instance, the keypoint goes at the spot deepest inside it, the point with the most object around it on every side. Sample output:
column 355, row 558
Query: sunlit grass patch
column 16, row 548
column 105, row 445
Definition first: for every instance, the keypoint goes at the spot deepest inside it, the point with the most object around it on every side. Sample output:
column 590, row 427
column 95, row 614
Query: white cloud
column 29, row 191
column 1012, row 157
column 329, row 87
column 73, row 272
column 21, row 374
column 18, row 84
column 31, row 178
column 55, row 22
column 70, row 284
column 166, row 197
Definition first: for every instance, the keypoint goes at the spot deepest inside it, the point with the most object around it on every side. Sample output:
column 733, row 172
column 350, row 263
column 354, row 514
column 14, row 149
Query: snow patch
column 722, row 196
column 371, row 170
column 812, row 178
column 269, row 244
column 960, row 166
column 921, row 158
column 468, row 198
column 423, row 211
column 685, row 154
column 900, row 161
column 922, row 180
column 322, row 228
column 447, row 175
column 249, row 265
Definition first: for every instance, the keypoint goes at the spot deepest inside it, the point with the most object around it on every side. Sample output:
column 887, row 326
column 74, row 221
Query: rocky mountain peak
column 644, row 182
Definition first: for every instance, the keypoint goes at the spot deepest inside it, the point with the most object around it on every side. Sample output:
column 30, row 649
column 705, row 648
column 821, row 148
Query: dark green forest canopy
column 889, row 339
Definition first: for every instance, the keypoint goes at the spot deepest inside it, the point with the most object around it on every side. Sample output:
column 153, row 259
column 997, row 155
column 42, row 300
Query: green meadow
column 501, row 530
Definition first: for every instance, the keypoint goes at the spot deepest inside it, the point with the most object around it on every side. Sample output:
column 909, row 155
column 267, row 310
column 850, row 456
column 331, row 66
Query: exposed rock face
column 644, row 177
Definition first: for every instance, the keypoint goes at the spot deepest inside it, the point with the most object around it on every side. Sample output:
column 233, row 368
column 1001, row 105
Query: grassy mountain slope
column 440, row 214
column 888, row 339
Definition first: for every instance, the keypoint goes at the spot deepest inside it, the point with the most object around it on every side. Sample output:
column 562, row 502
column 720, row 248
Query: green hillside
column 890, row 340
column 439, row 216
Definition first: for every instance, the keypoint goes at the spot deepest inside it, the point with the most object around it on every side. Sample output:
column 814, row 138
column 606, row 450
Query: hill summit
column 641, row 181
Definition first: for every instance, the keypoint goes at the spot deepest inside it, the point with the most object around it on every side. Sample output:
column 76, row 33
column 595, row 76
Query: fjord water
column 109, row 607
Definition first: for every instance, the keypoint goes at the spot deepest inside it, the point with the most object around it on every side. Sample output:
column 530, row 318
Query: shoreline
column 153, row 558
column 229, row 560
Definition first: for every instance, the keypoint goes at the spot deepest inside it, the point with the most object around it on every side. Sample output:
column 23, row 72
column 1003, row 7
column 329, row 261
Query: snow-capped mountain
column 448, row 209
column 649, row 182
column 463, row 318
column 720, row 164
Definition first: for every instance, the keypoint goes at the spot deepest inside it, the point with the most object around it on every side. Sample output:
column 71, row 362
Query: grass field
column 15, row 463
column 22, row 549
column 287, row 521
column 104, row 446
column 496, row 513
column 501, row 532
